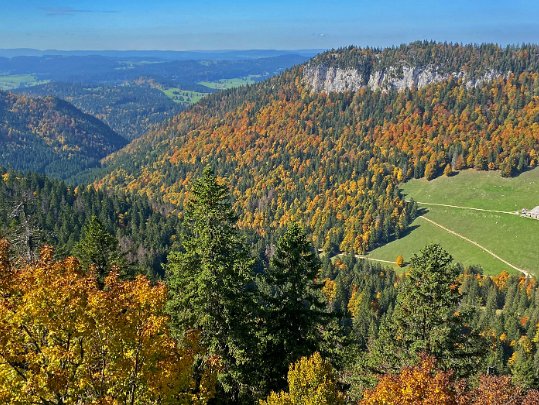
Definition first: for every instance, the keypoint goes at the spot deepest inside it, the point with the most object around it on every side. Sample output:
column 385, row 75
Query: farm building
column 534, row 213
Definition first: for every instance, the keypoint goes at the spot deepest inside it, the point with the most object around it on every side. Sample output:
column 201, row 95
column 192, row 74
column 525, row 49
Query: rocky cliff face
column 328, row 79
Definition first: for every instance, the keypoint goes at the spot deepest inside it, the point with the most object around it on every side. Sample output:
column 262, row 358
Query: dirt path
column 525, row 272
column 374, row 260
column 367, row 258
column 467, row 208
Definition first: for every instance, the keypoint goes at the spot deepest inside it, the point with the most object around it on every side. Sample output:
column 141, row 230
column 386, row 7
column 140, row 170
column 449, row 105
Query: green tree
column 427, row 317
column 523, row 369
column 293, row 305
column 210, row 281
column 97, row 249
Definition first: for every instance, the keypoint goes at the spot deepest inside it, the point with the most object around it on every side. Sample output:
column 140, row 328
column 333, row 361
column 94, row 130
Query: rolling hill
column 328, row 143
column 129, row 109
column 49, row 135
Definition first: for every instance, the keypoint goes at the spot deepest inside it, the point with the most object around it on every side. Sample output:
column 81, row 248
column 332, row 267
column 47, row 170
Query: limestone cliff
column 324, row 78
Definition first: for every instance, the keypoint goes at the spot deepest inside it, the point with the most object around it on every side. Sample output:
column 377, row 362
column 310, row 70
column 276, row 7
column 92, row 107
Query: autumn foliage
column 425, row 384
column 65, row 340
column 421, row 384
column 311, row 380
column 333, row 162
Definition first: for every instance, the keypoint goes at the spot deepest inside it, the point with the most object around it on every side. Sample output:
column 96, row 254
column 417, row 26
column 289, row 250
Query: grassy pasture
column 513, row 238
column 10, row 82
column 224, row 84
column 183, row 96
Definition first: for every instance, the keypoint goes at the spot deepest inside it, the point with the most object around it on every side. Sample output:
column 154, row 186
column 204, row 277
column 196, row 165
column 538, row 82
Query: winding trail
column 467, row 208
column 525, row 272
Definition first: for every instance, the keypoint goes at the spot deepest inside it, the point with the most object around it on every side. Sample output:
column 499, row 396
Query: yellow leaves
column 311, row 381
column 355, row 302
column 330, row 289
column 62, row 336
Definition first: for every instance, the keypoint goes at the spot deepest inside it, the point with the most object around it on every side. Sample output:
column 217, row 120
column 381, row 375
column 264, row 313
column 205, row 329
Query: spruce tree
column 97, row 249
column 210, row 281
column 293, row 305
column 427, row 318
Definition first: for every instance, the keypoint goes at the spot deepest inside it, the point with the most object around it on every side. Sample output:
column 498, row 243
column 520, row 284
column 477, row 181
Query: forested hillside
column 229, row 327
column 35, row 210
column 49, row 135
column 332, row 160
column 128, row 109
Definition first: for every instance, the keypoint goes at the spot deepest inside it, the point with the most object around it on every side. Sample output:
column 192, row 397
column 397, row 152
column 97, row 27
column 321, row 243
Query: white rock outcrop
column 330, row 79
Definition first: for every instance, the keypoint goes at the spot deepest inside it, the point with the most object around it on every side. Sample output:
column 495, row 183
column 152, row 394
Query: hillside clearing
column 480, row 206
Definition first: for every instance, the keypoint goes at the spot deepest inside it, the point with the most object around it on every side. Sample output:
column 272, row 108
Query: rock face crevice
column 332, row 79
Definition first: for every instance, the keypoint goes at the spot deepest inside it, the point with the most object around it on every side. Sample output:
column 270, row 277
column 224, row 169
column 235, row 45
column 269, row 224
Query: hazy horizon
column 213, row 25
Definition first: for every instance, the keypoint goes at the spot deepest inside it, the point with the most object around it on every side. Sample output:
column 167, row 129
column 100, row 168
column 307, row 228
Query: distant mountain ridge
column 160, row 54
column 49, row 135
column 128, row 109
column 351, row 69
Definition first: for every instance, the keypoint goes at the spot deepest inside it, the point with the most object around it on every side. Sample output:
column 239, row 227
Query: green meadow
column 10, row 82
column 511, row 237
column 224, row 84
column 183, row 96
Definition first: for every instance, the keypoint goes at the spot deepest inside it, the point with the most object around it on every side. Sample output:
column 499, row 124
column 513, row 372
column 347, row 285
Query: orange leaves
column 424, row 384
column 421, row 384
column 498, row 390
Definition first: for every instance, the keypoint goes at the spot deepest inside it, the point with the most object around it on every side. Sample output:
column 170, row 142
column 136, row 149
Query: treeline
column 36, row 210
column 284, row 327
column 446, row 58
column 334, row 162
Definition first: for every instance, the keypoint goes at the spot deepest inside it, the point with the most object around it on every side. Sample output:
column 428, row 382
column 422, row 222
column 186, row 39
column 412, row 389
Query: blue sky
column 277, row 24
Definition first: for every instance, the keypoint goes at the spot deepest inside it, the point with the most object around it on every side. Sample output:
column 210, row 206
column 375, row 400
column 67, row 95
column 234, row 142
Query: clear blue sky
column 276, row 24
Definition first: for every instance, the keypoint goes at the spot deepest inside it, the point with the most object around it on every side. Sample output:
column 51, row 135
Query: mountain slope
column 128, row 109
column 49, row 135
column 333, row 159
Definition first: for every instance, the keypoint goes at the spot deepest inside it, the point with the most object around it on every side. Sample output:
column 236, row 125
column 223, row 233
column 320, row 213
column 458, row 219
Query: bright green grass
column 224, row 84
column 486, row 190
column 183, row 96
column 425, row 233
column 10, row 82
column 513, row 238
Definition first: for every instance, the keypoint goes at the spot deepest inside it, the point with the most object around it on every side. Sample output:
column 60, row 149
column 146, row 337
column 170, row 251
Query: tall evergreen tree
column 210, row 281
column 427, row 317
column 97, row 249
column 293, row 305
